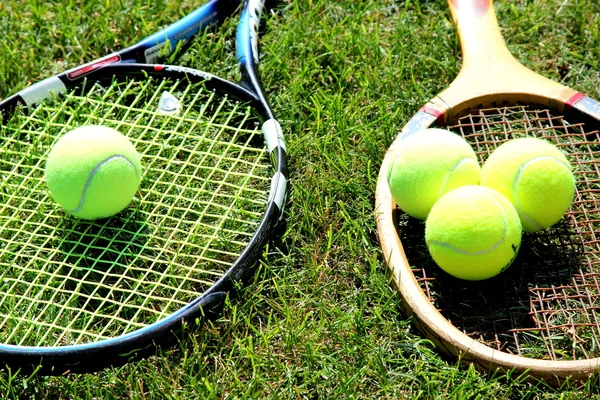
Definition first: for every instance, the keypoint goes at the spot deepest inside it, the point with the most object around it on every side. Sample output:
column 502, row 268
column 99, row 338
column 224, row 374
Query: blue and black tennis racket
column 79, row 295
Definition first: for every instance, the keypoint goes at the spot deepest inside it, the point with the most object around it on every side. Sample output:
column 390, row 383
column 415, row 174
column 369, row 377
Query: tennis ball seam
column 516, row 184
column 450, row 172
column 485, row 251
column 93, row 173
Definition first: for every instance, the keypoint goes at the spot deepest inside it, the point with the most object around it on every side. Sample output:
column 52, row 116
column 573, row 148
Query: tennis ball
column 93, row 172
column 428, row 164
column 535, row 176
column 473, row 232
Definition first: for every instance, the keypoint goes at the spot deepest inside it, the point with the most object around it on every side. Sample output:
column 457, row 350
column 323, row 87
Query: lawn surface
column 320, row 320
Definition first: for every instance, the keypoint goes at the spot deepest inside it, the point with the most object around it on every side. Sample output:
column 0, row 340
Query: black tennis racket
column 80, row 295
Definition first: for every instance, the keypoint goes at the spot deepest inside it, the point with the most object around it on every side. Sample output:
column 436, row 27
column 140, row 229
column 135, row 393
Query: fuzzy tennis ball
column 473, row 233
column 93, row 172
column 428, row 164
column 535, row 176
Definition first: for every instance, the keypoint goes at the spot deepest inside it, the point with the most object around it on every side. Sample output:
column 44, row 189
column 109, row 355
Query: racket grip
column 472, row 8
column 481, row 41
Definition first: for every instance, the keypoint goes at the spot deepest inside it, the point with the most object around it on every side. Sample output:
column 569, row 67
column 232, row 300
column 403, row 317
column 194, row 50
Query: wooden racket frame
column 489, row 77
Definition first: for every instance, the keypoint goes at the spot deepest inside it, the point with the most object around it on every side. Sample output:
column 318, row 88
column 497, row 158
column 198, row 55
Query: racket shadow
column 98, row 257
column 509, row 312
column 107, row 279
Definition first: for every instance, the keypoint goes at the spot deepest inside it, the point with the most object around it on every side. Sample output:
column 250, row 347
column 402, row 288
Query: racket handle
column 489, row 73
column 472, row 7
column 481, row 41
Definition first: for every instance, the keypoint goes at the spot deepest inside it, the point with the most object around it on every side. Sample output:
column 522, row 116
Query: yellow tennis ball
column 428, row 164
column 473, row 233
column 93, row 172
column 535, row 176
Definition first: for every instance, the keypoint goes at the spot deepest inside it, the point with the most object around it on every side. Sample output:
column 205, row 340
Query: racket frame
column 489, row 77
column 126, row 63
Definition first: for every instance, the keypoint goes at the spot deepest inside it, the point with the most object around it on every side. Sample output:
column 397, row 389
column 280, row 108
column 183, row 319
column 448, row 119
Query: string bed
column 205, row 183
column 547, row 304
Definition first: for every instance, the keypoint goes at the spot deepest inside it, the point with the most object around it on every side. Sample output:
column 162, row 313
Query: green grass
column 320, row 319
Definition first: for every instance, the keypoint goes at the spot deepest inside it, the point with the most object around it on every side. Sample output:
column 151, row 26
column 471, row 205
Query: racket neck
column 489, row 73
column 247, row 50
column 481, row 41
column 251, row 81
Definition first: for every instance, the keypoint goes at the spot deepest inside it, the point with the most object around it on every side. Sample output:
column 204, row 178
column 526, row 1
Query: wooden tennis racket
column 540, row 318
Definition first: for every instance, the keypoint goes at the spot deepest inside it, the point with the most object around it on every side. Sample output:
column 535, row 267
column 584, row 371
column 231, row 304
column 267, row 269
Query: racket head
column 80, row 295
column 495, row 324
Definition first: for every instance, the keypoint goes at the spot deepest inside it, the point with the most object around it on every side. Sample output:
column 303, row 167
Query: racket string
column 194, row 199
column 547, row 304
column 205, row 185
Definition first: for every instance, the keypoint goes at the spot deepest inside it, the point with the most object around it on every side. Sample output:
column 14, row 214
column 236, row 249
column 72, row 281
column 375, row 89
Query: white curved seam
column 449, row 173
column 91, row 176
column 480, row 252
column 522, row 213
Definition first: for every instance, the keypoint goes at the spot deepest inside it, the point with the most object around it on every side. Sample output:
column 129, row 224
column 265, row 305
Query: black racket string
column 544, row 305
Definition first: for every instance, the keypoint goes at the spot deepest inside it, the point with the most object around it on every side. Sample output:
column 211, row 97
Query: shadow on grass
column 538, row 308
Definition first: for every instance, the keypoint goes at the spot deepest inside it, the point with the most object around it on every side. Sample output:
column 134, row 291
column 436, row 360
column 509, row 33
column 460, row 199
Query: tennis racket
column 541, row 318
column 79, row 295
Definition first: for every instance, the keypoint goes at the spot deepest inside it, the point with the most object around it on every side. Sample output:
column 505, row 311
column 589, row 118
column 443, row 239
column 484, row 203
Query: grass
column 320, row 319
